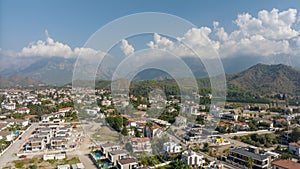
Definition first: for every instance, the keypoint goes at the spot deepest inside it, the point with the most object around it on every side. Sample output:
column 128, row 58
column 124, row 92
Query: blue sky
column 72, row 22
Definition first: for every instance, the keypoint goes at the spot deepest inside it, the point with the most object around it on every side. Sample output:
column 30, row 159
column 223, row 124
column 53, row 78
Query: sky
column 234, row 28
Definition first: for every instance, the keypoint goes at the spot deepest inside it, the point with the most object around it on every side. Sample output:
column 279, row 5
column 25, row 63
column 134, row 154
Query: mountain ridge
column 259, row 79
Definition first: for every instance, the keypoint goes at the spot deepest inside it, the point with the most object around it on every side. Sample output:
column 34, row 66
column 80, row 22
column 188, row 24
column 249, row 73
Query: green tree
column 250, row 162
column 124, row 131
column 205, row 147
column 33, row 167
column 286, row 156
column 178, row 164
column 295, row 136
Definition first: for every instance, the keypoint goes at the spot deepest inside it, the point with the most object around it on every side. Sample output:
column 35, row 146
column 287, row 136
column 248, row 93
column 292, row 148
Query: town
column 66, row 129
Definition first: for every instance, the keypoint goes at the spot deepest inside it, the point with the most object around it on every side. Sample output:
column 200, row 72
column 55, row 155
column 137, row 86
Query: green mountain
column 267, row 80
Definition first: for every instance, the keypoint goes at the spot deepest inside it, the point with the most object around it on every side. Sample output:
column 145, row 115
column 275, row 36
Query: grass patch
column 19, row 164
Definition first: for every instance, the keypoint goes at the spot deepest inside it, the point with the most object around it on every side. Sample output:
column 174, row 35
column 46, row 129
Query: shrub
column 19, row 164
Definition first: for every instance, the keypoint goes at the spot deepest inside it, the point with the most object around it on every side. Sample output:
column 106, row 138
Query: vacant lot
column 40, row 163
column 105, row 134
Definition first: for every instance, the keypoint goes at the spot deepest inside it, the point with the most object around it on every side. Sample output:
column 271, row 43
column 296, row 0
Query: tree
column 124, row 131
column 250, row 162
column 295, row 136
column 205, row 147
column 115, row 122
column 286, row 156
column 178, row 164
column 33, row 167
column 138, row 133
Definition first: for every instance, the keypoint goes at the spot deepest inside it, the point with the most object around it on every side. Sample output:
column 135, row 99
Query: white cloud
column 47, row 48
column 272, row 25
column 267, row 34
column 195, row 38
column 127, row 48
column 50, row 48
column 271, row 33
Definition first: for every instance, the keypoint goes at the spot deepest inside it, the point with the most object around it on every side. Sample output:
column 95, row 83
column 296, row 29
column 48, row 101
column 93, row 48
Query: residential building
column 108, row 147
column 116, row 155
column 154, row 131
column 8, row 135
column 21, row 122
column 8, row 106
column 141, row 144
column 282, row 121
column 64, row 110
column 287, row 134
column 34, row 144
column 65, row 166
column 240, row 156
column 240, row 126
column 294, row 148
column 106, row 103
column 44, row 135
column 23, row 110
column 171, row 147
column 230, row 116
column 78, row 166
column 58, row 143
column 285, row 164
column 127, row 163
column 193, row 159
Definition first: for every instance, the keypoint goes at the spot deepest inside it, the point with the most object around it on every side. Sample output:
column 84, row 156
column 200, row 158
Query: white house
column 106, row 103
column 127, row 163
column 9, row 106
column 21, row 122
column 23, row 110
column 191, row 158
column 66, row 166
column 171, row 147
column 8, row 135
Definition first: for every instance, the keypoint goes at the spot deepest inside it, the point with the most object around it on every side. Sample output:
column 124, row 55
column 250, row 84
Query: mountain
column 18, row 81
column 267, row 79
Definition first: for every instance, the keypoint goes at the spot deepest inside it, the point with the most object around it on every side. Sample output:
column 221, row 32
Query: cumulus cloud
column 271, row 25
column 50, row 48
column 268, row 34
column 126, row 48
column 195, row 38
column 271, row 33
column 47, row 48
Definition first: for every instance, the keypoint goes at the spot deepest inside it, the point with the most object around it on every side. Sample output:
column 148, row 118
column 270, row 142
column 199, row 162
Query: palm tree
column 250, row 162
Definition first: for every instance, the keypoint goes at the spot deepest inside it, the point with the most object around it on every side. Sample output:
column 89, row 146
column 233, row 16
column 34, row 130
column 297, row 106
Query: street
column 10, row 153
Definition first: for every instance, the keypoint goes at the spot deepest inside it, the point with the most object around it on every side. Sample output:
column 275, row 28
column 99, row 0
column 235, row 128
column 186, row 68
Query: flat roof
column 247, row 153
column 116, row 152
column 128, row 161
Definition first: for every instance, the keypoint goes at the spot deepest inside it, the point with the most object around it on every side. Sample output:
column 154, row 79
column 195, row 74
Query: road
column 83, row 150
column 10, row 154
column 248, row 132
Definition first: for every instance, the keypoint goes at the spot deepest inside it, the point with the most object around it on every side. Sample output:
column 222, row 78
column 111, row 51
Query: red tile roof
column 294, row 144
column 140, row 139
column 23, row 109
column 287, row 164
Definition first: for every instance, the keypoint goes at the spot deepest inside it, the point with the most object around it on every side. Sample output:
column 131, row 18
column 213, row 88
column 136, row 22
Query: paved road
column 10, row 153
column 248, row 132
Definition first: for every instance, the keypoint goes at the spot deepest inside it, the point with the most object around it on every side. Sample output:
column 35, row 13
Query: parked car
column 22, row 156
